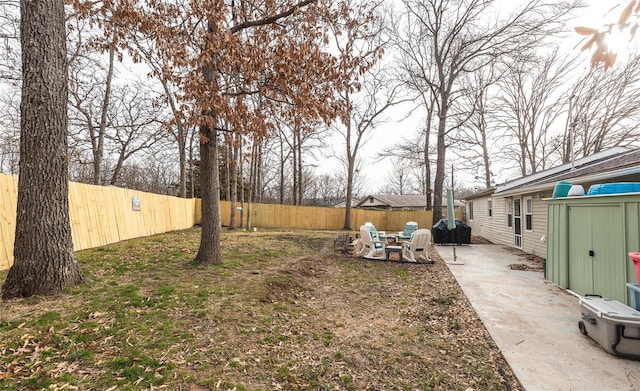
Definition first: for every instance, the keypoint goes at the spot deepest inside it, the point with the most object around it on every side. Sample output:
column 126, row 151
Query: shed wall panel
column 632, row 237
column 614, row 224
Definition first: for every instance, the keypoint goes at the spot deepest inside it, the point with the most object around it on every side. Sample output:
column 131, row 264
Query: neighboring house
column 403, row 202
column 515, row 213
column 343, row 204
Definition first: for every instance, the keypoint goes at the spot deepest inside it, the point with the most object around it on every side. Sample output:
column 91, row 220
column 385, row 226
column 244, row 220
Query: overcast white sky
column 597, row 14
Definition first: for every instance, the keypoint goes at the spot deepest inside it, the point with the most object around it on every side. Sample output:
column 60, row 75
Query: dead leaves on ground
column 317, row 319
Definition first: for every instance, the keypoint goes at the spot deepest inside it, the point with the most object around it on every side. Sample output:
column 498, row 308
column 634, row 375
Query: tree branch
column 271, row 19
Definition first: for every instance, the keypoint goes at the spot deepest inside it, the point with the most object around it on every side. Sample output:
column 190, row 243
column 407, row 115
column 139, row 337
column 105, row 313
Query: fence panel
column 308, row 217
column 391, row 221
column 8, row 207
column 101, row 215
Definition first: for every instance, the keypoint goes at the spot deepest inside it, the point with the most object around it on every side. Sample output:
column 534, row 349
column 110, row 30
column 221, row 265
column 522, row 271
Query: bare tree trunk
column 427, row 161
column 117, row 170
column 441, row 149
column 486, row 161
column 182, row 146
column 209, row 250
column 44, row 261
column 241, row 180
column 440, row 165
column 227, row 167
column 483, row 129
column 181, row 137
column 523, row 158
column 259, row 190
column 347, row 213
column 99, row 144
column 192, row 188
column 294, row 164
column 351, row 161
column 233, row 180
column 253, row 172
column 300, row 190
column 283, row 163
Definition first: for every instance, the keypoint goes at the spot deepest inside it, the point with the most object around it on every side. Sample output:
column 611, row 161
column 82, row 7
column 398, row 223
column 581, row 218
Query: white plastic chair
column 418, row 248
column 372, row 248
column 375, row 234
column 409, row 228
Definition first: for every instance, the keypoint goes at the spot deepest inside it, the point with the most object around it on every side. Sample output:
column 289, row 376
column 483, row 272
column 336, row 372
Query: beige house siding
column 482, row 224
column 477, row 219
column 617, row 164
column 498, row 222
column 534, row 240
column 496, row 230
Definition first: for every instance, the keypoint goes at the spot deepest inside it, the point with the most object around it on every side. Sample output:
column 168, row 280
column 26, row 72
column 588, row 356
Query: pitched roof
column 402, row 201
column 343, row 204
column 613, row 163
column 481, row 193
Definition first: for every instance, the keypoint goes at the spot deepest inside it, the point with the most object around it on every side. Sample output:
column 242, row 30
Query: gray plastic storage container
column 612, row 324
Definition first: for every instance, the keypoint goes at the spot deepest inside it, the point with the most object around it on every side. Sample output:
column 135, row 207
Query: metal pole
column 453, row 233
column 571, row 131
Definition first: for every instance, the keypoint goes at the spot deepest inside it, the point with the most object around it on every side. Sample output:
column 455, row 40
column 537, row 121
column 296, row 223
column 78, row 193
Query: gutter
column 585, row 179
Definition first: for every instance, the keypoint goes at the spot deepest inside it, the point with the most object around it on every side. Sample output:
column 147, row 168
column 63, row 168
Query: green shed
column 588, row 241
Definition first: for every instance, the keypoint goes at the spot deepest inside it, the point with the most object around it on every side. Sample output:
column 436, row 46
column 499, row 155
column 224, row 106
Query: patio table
column 397, row 250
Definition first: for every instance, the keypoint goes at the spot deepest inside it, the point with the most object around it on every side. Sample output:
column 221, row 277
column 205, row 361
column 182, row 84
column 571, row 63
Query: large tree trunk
column 209, row 251
column 44, row 261
column 441, row 147
column 351, row 161
column 349, row 198
column 427, row 162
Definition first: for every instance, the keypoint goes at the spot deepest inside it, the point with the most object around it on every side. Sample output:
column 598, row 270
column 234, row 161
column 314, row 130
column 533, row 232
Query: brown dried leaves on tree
column 245, row 65
column 602, row 52
column 266, row 57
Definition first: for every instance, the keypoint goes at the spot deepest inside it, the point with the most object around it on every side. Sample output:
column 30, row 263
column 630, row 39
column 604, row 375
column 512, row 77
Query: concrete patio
column 535, row 323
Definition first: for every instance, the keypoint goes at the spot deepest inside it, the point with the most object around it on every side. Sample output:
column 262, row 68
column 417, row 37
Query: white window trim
column 490, row 208
column 527, row 213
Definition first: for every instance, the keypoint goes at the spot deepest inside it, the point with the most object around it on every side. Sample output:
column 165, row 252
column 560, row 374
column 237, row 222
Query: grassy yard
column 285, row 311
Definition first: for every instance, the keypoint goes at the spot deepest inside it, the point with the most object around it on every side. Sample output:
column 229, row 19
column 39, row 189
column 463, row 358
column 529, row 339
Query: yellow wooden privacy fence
column 102, row 215
column 8, row 201
column 309, row 217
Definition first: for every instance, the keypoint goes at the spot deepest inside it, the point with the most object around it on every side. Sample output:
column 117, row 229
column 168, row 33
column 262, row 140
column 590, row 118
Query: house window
column 371, row 200
column 490, row 208
column 528, row 214
column 470, row 210
column 509, row 209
